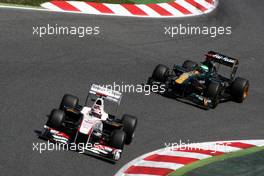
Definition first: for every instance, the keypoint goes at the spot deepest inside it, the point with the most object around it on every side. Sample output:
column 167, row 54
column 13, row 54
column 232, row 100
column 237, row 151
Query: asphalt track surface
column 35, row 73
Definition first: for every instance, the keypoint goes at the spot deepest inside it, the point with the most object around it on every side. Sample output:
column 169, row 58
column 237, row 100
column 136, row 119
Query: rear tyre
column 117, row 139
column 239, row 89
column 55, row 119
column 189, row 65
column 212, row 92
column 69, row 101
column 129, row 125
column 159, row 73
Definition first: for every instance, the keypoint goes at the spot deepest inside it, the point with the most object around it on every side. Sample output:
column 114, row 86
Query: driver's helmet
column 96, row 110
column 204, row 68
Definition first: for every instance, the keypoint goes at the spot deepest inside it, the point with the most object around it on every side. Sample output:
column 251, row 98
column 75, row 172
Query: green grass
column 38, row 2
column 188, row 168
column 248, row 165
column 24, row 2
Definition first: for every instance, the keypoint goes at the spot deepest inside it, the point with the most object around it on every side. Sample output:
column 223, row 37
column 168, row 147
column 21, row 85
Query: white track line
column 83, row 7
column 52, row 6
column 205, row 4
column 166, row 165
column 148, row 10
column 189, row 7
column 171, row 9
column 118, row 9
column 186, row 154
column 259, row 143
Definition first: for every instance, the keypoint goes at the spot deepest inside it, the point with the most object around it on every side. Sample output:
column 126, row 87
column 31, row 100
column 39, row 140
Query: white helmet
column 96, row 110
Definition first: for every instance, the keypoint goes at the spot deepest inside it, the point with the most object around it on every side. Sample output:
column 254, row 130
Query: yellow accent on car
column 71, row 110
column 182, row 78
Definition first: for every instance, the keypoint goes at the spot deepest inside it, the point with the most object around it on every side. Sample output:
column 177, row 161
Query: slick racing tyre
column 212, row 92
column 189, row 65
column 129, row 125
column 117, row 139
column 56, row 118
column 159, row 73
column 69, row 101
column 239, row 89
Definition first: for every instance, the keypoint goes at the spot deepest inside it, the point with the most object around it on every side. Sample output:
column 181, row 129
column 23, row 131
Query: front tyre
column 117, row 139
column 129, row 125
column 212, row 92
column 160, row 72
column 56, row 118
column 239, row 89
column 69, row 101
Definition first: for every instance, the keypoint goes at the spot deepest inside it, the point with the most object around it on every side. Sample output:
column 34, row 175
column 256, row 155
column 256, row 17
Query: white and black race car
column 100, row 133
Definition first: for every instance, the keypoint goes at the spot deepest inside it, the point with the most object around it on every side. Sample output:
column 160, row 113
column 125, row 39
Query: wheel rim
column 245, row 92
column 206, row 102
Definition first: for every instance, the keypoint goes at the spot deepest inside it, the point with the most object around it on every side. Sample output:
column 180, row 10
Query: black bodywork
column 203, row 88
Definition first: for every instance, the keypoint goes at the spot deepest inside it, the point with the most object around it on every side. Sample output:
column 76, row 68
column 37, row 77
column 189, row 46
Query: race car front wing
column 96, row 149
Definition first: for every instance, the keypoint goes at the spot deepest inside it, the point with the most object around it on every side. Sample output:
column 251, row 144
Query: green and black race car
column 202, row 83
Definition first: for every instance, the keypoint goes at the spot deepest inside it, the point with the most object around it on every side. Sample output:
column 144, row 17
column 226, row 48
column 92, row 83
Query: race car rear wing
column 222, row 59
column 106, row 93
